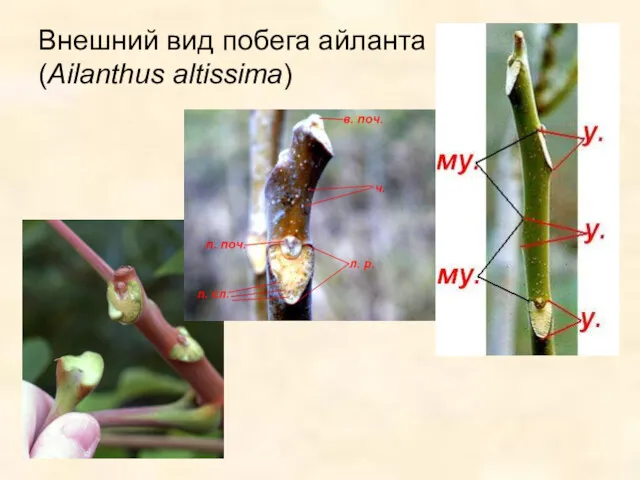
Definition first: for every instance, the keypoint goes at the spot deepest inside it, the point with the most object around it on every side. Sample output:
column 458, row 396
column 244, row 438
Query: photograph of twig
column 309, row 215
column 109, row 368
column 531, row 169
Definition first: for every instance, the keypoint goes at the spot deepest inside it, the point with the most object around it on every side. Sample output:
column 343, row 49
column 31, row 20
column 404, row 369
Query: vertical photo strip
column 527, row 185
column 532, row 196
column 104, row 336
column 309, row 215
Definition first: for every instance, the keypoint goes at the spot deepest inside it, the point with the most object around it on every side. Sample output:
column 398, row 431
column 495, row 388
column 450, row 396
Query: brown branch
column 265, row 130
column 212, row 445
column 288, row 194
column 175, row 345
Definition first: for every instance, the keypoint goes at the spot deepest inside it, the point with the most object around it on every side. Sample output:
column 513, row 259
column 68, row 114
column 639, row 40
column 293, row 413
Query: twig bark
column 536, row 172
column 288, row 194
column 265, row 130
column 175, row 345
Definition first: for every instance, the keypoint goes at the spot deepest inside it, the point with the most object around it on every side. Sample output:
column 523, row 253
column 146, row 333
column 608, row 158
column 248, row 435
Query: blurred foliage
column 65, row 310
column 135, row 383
column 173, row 266
column 36, row 357
column 393, row 229
column 564, row 183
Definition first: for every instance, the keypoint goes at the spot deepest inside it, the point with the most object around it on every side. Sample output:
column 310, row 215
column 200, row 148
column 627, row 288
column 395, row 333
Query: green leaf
column 173, row 266
column 36, row 357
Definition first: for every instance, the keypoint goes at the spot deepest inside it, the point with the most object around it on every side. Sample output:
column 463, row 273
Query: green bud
column 186, row 349
column 125, row 308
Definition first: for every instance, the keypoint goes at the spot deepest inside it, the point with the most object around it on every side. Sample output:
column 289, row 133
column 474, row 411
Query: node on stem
column 186, row 348
column 125, row 297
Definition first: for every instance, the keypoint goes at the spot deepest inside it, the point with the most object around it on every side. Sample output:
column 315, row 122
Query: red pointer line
column 340, row 196
column 559, row 134
column 563, row 329
column 262, row 243
column 554, row 225
column 553, row 240
column 328, row 254
column 568, row 155
column 325, row 281
column 251, row 294
column 340, row 188
column 315, row 288
column 332, row 118
column 256, row 299
column 563, row 309
column 249, row 288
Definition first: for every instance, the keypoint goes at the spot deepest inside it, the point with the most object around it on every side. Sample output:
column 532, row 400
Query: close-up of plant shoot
column 536, row 177
column 539, row 83
column 264, row 179
column 107, row 349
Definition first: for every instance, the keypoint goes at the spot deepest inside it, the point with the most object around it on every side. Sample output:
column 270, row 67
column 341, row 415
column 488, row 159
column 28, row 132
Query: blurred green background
column 65, row 310
column 394, row 229
column 508, row 329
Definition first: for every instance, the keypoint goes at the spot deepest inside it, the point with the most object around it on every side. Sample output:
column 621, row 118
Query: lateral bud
column 186, row 349
column 125, row 301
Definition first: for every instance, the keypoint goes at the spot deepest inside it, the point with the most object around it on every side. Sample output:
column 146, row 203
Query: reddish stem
column 85, row 251
column 201, row 375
